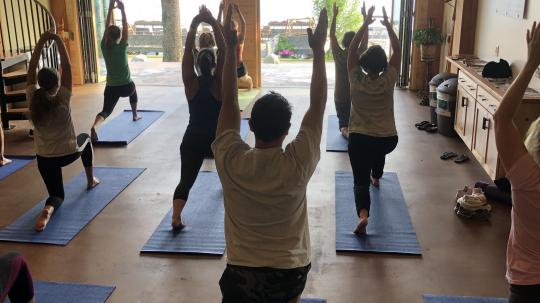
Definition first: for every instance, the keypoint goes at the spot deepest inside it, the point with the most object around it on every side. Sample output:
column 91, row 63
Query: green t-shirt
column 116, row 60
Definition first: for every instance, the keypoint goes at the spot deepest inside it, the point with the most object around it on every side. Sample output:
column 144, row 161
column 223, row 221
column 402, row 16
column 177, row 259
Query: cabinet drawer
column 487, row 100
column 467, row 83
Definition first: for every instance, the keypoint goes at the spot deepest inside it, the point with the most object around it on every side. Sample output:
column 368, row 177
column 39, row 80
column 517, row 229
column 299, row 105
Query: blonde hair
column 533, row 140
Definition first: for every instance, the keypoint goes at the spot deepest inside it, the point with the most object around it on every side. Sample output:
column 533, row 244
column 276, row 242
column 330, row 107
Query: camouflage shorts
column 241, row 284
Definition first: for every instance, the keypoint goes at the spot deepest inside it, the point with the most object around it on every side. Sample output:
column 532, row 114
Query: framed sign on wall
column 511, row 8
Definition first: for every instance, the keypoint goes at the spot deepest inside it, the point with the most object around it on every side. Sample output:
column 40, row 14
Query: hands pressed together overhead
column 317, row 39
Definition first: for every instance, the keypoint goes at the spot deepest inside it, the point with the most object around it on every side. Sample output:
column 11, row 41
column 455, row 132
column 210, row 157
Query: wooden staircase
column 21, row 24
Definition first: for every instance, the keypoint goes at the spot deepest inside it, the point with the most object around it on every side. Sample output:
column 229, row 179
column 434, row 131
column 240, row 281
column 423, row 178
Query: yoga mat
column 245, row 97
column 389, row 230
column 244, row 128
column 335, row 142
column 17, row 163
column 449, row 299
column 56, row 292
column 121, row 130
column 79, row 208
column 203, row 216
column 312, row 300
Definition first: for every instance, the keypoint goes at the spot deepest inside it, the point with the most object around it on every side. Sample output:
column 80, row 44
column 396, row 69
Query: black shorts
column 262, row 284
column 241, row 70
column 113, row 93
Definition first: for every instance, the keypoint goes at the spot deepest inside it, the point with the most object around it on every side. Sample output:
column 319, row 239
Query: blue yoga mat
column 244, row 128
column 55, row 292
column 312, row 300
column 78, row 209
column 449, row 299
column 17, row 163
column 121, row 130
column 389, row 230
column 203, row 216
column 335, row 142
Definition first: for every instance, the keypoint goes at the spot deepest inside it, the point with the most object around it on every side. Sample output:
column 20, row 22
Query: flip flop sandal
column 421, row 123
column 425, row 126
column 432, row 129
column 448, row 155
column 461, row 159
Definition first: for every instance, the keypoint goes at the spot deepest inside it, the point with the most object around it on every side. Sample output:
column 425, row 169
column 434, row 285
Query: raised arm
column 125, row 25
column 229, row 116
column 395, row 59
column 220, row 13
column 318, row 89
column 352, row 57
column 509, row 142
column 333, row 39
column 188, row 61
column 34, row 61
column 242, row 34
column 365, row 39
column 110, row 20
column 207, row 17
column 65, row 62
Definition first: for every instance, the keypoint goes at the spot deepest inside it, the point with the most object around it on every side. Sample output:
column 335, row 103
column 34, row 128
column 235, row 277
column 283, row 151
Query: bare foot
column 361, row 227
column 178, row 205
column 136, row 118
column 44, row 218
column 375, row 182
column 345, row 132
column 93, row 135
column 5, row 161
column 93, row 184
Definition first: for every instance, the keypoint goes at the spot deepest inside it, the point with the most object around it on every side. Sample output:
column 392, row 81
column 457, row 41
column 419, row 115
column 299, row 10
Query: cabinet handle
column 484, row 122
column 463, row 103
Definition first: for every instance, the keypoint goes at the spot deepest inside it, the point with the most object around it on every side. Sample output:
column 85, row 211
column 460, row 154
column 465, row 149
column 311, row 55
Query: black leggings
column 50, row 169
column 524, row 294
column 367, row 155
column 193, row 149
column 19, row 284
column 113, row 93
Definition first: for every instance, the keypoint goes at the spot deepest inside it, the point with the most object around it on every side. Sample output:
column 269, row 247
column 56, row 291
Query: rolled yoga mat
column 121, row 130
column 203, row 216
column 312, row 300
column 448, row 299
column 389, row 230
column 79, row 208
column 335, row 142
column 56, row 292
column 17, row 163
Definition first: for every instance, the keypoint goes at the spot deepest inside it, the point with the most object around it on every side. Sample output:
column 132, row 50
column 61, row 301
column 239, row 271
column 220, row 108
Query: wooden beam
column 465, row 27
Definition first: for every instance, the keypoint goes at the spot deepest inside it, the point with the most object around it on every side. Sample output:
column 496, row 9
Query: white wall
column 509, row 34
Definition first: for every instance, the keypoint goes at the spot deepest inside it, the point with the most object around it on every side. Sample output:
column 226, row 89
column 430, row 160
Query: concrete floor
column 459, row 257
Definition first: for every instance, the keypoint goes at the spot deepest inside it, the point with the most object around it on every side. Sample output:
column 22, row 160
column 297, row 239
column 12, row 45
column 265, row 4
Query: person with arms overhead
column 372, row 127
column 521, row 161
column 54, row 135
column 119, row 84
column 264, row 187
column 204, row 101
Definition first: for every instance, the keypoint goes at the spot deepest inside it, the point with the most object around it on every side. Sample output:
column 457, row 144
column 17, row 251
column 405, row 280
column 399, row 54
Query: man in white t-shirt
column 264, row 188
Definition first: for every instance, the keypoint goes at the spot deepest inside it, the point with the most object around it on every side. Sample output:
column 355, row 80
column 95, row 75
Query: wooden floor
column 459, row 257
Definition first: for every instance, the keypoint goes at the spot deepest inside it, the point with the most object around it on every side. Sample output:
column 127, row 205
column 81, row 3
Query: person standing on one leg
column 342, row 94
column 3, row 160
column 15, row 279
column 521, row 161
column 119, row 84
column 54, row 135
column 204, row 100
column 372, row 128
column 264, row 188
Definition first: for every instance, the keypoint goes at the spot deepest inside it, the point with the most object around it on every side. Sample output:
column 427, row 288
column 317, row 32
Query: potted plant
column 428, row 39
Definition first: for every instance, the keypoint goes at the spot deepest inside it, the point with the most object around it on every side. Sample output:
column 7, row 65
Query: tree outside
column 172, row 32
column 349, row 18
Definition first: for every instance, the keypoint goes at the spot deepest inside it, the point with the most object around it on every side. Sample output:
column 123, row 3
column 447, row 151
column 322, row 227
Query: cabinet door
column 470, row 121
column 464, row 123
column 480, row 143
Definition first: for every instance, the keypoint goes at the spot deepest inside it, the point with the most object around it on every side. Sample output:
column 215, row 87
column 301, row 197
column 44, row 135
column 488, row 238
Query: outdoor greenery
column 349, row 17
column 284, row 48
column 428, row 36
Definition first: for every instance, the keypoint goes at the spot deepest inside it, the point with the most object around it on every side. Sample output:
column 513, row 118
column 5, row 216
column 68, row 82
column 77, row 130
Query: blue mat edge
column 327, row 131
column 74, row 236
column 432, row 296
column 110, row 288
column 342, row 250
column 125, row 143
